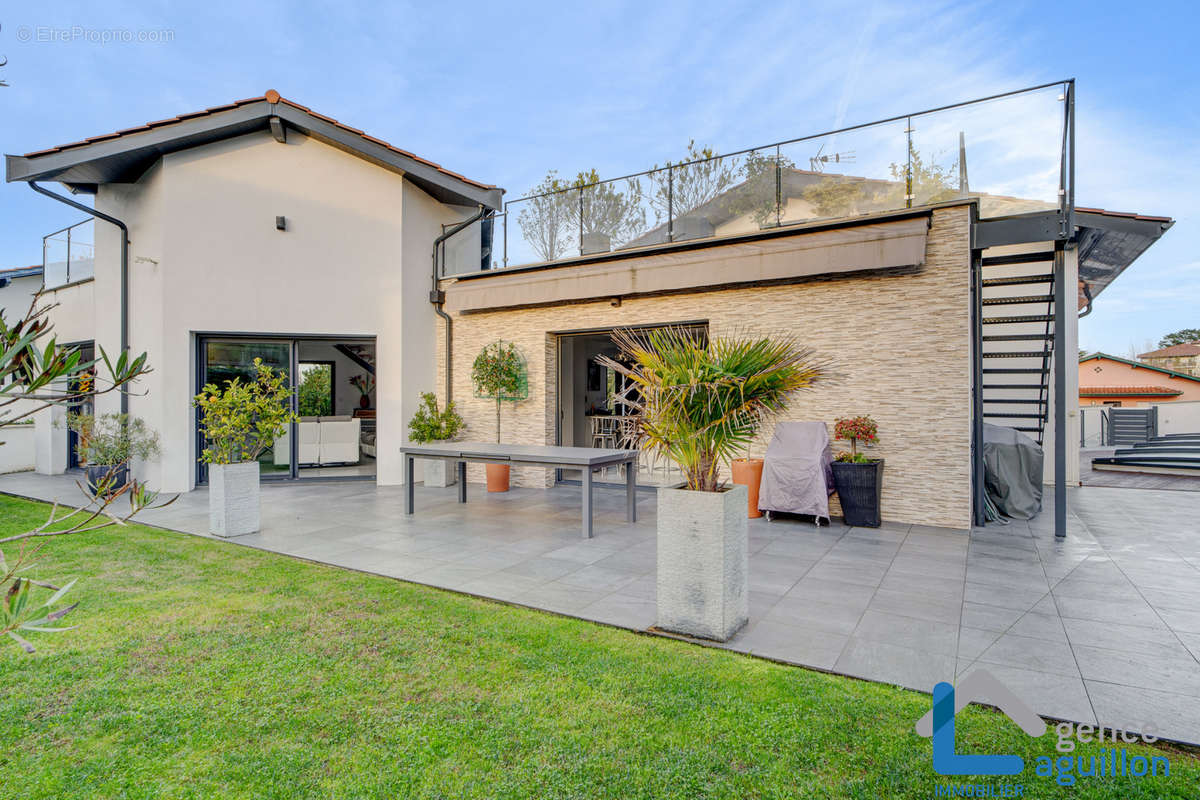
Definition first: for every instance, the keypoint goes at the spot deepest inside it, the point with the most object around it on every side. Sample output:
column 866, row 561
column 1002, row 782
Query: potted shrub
column 699, row 403
column 858, row 479
column 499, row 373
column 430, row 424
column 106, row 444
column 239, row 422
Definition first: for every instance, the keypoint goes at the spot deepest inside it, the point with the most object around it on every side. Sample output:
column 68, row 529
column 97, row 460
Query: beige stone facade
column 900, row 341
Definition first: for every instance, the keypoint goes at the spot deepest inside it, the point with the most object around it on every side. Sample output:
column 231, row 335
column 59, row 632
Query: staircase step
column 1009, row 400
column 1023, row 318
column 1019, row 337
column 1019, row 280
column 1018, row 354
column 1014, row 301
column 1020, row 258
column 1034, row 386
column 1014, row 416
column 1015, row 371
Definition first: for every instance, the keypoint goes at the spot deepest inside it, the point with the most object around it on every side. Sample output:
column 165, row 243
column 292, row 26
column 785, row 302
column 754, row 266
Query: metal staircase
column 1017, row 316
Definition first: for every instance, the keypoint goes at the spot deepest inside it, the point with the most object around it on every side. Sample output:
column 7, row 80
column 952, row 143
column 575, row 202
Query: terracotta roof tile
column 271, row 96
column 1185, row 349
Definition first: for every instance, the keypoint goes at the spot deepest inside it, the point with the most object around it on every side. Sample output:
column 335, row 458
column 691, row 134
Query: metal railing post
column 670, row 204
column 580, row 220
column 778, row 187
column 908, row 176
column 68, row 267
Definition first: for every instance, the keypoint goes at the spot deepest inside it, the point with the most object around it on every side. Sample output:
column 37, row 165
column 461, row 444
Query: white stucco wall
column 206, row 258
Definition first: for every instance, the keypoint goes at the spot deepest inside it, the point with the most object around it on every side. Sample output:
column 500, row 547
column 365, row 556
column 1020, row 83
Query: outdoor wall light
column 281, row 223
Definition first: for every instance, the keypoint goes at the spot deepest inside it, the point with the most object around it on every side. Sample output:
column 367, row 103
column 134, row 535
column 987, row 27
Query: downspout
column 438, row 297
column 124, row 268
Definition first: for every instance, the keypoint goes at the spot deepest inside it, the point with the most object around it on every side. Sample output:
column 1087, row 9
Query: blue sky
column 503, row 92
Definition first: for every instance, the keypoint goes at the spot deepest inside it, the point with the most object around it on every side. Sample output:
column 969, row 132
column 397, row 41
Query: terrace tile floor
column 1103, row 627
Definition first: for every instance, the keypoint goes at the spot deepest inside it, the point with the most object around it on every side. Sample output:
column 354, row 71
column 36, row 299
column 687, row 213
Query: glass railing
column 69, row 255
column 1008, row 150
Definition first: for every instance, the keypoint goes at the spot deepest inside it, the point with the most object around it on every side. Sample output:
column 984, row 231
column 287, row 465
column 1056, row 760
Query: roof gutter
column 438, row 297
column 124, row 268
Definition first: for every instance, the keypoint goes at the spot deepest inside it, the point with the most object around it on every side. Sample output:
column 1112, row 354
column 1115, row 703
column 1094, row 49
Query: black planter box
column 97, row 474
column 859, row 487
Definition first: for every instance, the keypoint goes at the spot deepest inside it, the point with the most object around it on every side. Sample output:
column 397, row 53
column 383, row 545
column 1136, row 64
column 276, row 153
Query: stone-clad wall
column 901, row 344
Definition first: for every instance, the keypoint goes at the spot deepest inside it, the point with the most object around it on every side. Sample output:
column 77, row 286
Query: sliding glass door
column 222, row 360
column 333, row 383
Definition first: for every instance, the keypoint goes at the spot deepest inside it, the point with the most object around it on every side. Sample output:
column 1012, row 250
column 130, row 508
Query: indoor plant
column 499, row 373
column 239, row 422
column 431, row 424
column 365, row 384
column 699, row 403
column 858, row 479
column 106, row 444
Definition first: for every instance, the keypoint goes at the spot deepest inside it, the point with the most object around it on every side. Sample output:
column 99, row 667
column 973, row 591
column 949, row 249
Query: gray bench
column 585, row 459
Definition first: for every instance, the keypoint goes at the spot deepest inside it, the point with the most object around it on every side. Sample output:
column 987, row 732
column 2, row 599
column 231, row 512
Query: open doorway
column 589, row 413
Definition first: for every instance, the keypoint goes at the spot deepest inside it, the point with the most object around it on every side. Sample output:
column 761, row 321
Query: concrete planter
column 96, row 474
column 439, row 473
column 233, row 501
column 703, row 562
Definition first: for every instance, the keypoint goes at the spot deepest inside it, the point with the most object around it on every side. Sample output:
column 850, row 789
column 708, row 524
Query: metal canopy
column 1108, row 242
column 124, row 158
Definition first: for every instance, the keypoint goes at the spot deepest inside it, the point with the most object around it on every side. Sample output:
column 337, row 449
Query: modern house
column 1183, row 358
column 1106, row 380
column 264, row 229
column 259, row 229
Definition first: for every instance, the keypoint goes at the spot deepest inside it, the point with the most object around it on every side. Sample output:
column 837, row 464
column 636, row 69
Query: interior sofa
column 322, row 440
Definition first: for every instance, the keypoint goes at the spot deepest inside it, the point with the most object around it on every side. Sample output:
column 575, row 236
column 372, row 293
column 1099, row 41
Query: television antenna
column 817, row 163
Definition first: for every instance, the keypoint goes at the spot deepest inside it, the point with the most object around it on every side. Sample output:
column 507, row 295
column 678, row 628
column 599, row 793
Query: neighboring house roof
column 21, row 272
column 1185, row 349
column 123, row 156
column 1128, row 391
column 1140, row 365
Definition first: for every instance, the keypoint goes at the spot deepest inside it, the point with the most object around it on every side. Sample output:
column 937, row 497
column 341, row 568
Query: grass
column 203, row 669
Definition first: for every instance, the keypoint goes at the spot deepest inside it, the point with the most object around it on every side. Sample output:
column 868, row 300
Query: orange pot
column 748, row 472
column 497, row 478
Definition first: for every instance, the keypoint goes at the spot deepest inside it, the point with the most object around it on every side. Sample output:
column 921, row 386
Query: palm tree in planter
column 499, row 373
column 700, row 403
column 858, row 479
column 239, row 423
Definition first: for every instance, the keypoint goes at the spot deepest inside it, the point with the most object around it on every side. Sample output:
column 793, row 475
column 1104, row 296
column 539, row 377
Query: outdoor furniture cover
column 1012, row 468
column 797, row 477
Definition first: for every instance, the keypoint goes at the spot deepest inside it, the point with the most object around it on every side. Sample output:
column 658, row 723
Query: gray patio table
column 585, row 459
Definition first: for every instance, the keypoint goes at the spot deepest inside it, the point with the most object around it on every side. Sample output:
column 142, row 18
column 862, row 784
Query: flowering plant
column 855, row 429
column 364, row 383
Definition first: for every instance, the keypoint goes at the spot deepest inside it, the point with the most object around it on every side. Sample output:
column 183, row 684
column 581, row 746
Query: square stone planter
column 233, row 501
column 703, row 562
column 439, row 473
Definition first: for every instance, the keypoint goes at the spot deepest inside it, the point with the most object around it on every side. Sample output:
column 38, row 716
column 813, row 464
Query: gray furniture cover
column 1012, row 467
column 797, row 476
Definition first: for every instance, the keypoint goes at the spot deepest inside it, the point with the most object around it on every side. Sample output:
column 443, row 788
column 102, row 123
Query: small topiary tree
column 499, row 373
column 855, row 429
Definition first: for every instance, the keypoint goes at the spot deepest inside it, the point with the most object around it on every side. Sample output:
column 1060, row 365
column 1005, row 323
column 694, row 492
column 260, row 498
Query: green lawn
column 203, row 669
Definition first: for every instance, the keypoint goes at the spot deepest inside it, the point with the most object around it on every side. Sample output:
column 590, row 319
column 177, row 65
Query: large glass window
column 226, row 359
column 334, row 384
